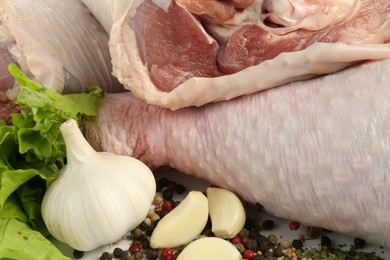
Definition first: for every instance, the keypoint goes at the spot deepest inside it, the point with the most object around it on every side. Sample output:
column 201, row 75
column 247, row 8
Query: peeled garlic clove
column 210, row 248
column 226, row 212
column 183, row 224
column 98, row 197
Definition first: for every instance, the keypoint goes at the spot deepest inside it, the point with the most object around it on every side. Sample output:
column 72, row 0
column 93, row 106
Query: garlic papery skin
column 98, row 197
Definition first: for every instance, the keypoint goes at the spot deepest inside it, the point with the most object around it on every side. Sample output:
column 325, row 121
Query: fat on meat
column 180, row 53
column 57, row 43
column 316, row 151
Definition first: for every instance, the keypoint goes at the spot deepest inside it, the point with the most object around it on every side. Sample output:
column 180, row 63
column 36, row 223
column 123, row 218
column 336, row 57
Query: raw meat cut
column 316, row 151
column 57, row 43
column 188, row 53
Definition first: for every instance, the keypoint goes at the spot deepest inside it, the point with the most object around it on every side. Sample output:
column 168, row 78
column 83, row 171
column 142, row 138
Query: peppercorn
column 273, row 239
column 252, row 244
column 294, row 225
column 171, row 185
column 134, row 248
column 137, row 232
column 179, row 189
column 78, row 254
column 166, row 252
column 138, row 255
column 117, row 252
column 245, row 240
column 126, row 255
column 240, row 247
column 142, row 226
column 285, row 244
column 235, row 240
column 105, row 256
column 163, row 181
column 325, row 241
column 175, row 203
column 297, row 244
column 268, row 224
column 149, row 230
column 151, row 254
column 314, row 232
column 249, row 223
column 277, row 252
column 154, row 218
column 144, row 241
column 243, row 233
column 158, row 199
column 148, row 221
column 167, row 205
column 163, row 213
column 248, row 254
column 359, row 243
column 167, row 194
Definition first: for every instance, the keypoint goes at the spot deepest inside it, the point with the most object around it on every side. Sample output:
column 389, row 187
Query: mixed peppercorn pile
column 250, row 242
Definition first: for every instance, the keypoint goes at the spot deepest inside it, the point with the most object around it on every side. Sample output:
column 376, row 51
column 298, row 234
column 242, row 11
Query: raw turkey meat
column 180, row 53
column 316, row 151
column 57, row 43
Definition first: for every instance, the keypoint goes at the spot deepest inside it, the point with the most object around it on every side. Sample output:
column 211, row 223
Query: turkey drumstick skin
column 317, row 151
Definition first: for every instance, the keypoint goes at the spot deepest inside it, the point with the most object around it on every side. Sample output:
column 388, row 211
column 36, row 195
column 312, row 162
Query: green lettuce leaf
column 32, row 152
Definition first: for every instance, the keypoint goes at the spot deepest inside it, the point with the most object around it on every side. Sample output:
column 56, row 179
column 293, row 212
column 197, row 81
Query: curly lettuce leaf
column 32, row 152
column 18, row 240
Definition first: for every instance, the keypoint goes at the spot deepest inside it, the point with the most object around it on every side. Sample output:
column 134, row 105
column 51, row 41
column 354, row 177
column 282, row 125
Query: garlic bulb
column 98, row 196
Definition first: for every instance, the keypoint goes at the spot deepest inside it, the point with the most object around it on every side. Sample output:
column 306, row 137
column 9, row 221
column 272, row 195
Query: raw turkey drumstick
column 317, row 151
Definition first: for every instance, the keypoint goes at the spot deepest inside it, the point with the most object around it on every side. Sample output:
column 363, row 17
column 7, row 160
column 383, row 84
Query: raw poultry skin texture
column 57, row 43
column 316, row 151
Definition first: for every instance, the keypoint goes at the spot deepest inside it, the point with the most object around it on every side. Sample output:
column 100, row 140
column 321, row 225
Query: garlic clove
column 226, row 212
column 98, row 197
column 210, row 248
column 183, row 224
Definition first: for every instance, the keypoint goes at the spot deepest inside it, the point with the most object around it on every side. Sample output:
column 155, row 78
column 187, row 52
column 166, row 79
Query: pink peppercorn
column 167, row 252
column 294, row 225
column 235, row 240
column 248, row 254
column 167, row 205
column 134, row 248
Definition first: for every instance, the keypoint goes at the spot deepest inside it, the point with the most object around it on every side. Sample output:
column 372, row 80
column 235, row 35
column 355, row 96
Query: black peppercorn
column 175, row 203
column 359, row 243
column 151, row 254
column 179, row 189
column 268, row 224
column 167, row 194
column 117, row 252
column 297, row 244
column 149, row 230
column 163, row 182
column 171, row 185
column 78, row 254
column 106, row 256
column 252, row 244
column 325, row 241
column 162, row 213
